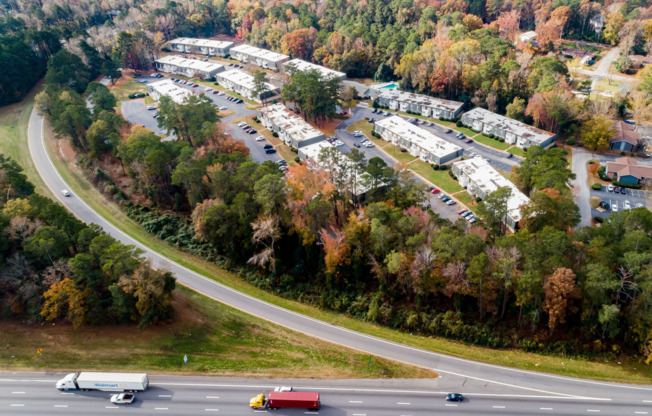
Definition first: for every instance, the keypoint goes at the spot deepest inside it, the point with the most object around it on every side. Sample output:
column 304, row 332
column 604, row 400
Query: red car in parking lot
column 435, row 191
column 469, row 140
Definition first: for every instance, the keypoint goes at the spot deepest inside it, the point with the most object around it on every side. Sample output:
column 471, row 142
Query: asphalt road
column 35, row 394
column 459, row 374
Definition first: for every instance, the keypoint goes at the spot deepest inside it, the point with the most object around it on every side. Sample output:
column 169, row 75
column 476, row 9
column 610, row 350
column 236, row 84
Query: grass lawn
column 468, row 132
column 466, row 199
column 491, row 142
column 448, row 124
column 440, row 178
column 282, row 149
column 13, row 138
column 630, row 370
column 217, row 339
column 365, row 127
column 516, row 151
column 125, row 86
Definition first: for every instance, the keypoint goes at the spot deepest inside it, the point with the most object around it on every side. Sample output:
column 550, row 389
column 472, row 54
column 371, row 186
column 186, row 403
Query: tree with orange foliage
column 559, row 290
column 507, row 25
column 300, row 43
column 335, row 249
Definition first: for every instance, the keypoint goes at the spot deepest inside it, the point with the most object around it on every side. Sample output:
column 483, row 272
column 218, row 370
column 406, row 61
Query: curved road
column 456, row 374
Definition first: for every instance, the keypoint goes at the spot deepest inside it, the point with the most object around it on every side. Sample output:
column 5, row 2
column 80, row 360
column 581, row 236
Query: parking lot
column 136, row 112
column 617, row 201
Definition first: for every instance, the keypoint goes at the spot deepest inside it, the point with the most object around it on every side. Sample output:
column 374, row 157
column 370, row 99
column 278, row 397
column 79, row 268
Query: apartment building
column 304, row 66
column 513, row 131
column 481, row 179
column 257, row 56
column 194, row 68
column 419, row 104
column 291, row 128
column 243, row 83
column 207, row 47
column 168, row 88
column 419, row 142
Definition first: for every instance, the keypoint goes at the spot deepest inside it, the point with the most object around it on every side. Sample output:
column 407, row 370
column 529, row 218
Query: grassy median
column 630, row 370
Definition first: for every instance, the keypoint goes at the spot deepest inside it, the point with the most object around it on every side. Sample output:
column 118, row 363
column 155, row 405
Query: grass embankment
column 630, row 371
column 516, row 151
column 125, row 86
column 282, row 148
column 482, row 139
column 14, row 120
column 218, row 340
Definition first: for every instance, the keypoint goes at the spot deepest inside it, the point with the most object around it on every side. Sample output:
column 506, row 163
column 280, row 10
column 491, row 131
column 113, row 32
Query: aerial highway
column 456, row 374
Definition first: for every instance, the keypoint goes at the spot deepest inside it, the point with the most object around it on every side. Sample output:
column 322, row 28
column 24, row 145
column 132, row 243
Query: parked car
column 469, row 140
column 222, row 108
column 356, row 145
column 446, row 198
column 387, row 113
column 470, row 218
column 374, row 111
column 195, row 85
column 617, row 189
column 467, row 213
column 449, row 131
column 434, row 191
column 462, row 211
column 260, row 138
column 272, row 150
column 604, row 205
column 155, row 115
column 371, row 120
column 151, row 107
column 241, row 124
column 610, row 188
column 639, row 205
column 451, row 202
column 623, row 191
column 627, row 205
column 614, row 207
column 268, row 146
column 509, row 156
column 369, row 144
column 357, row 133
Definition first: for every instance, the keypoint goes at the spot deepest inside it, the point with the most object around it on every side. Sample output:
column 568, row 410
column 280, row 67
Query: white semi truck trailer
column 104, row 381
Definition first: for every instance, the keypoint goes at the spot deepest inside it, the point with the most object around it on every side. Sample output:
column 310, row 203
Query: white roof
column 210, row 43
column 259, row 53
column 304, row 66
column 510, row 125
column 418, row 136
column 485, row 177
column 125, row 377
column 293, row 125
column 312, row 151
column 420, row 99
column 241, row 78
column 527, row 36
column 194, row 64
column 168, row 88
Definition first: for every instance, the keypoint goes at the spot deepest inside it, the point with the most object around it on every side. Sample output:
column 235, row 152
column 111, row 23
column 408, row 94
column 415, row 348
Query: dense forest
column 53, row 266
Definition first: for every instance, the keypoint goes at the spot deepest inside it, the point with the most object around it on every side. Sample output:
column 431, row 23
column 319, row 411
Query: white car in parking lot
column 357, row 133
column 614, row 207
column 260, row 138
column 368, row 144
column 627, row 205
column 223, row 108
column 338, row 143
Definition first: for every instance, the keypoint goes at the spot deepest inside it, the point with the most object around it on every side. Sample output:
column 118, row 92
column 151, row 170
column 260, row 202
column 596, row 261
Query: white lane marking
column 212, row 410
column 260, row 411
column 158, row 256
column 355, row 401
column 498, row 407
column 212, row 397
column 17, row 405
column 593, row 410
column 164, row 395
column 402, row 403
column 545, row 408
column 60, row 405
column 67, row 393
column 160, row 408
column 111, row 407
column 640, row 413
column 359, row 414
column 17, row 392
column 311, row 413
column 451, row 405
column 647, row 401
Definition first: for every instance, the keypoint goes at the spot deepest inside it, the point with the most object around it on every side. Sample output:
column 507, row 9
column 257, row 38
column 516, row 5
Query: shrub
column 622, row 153
column 256, row 120
column 502, row 140
column 294, row 150
column 275, row 134
column 435, row 166
column 591, row 162
column 375, row 104
column 570, row 142
column 403, row 150
column 595, row 202
column 627, row 185
column 459, row 123
column 297, row 159
column 443, row 167
column 478, row 199
column 601, row 173
column 596, row 186
column 598, row 219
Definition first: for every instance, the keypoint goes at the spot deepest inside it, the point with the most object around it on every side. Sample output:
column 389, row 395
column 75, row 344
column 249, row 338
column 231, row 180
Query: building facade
column 193, row 68
column 420, row 104
column 481, row 179
column 513, row 131
column 207, row 47
column 419, row 142
column 627, row 170
column 304, row 66
column 626, row 138
column 168, row 88
column 243, row 83
column 290, row 127
column 259, row 57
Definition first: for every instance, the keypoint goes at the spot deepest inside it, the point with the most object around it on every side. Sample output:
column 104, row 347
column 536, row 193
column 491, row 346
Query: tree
column 493, row 210
column 101, row 98
column 384, row 73
column 516, row 109
column 271, row 193
column 193, row 121
column 550, row 207
column 261, row 88
column 543, row 169
column 597, row 133
column 300, row 43
column 314, row 94
column 266, row 232
column 152, row 290
column 560, row 289
column 67, row 70
column 65, row 299
column 615, row 22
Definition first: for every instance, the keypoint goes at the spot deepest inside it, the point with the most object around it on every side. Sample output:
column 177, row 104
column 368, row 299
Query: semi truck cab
column 68, row 382
column 258, row 402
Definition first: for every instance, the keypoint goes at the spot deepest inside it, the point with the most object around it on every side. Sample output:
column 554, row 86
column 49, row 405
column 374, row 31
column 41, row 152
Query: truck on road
column 286, row 399
column 104, row 381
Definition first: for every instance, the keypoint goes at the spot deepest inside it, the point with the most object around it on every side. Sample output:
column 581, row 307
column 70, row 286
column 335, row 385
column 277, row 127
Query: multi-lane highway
column 34, row 394
column 534, row 388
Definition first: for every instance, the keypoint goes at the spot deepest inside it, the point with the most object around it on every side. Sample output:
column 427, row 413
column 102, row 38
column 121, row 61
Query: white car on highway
column 123, row 398
column 65, row 192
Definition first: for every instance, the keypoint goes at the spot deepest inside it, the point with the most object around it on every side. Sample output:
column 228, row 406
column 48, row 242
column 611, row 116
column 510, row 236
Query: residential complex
column 257, row 56
column 513, row 131
column 481, row 179
column 419, row 142
column 626, row 138
column 304, row 66
column 168, row 88
column 290, row 127
column 418, row 103
column 310, row 153
column 194, row 68
column 201, row 46
column 627, row 170
column 243, row 83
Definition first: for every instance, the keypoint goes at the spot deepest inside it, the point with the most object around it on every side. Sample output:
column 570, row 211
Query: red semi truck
column 280, row 399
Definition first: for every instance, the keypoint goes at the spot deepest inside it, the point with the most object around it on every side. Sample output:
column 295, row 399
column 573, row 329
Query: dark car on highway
column 454, row 397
